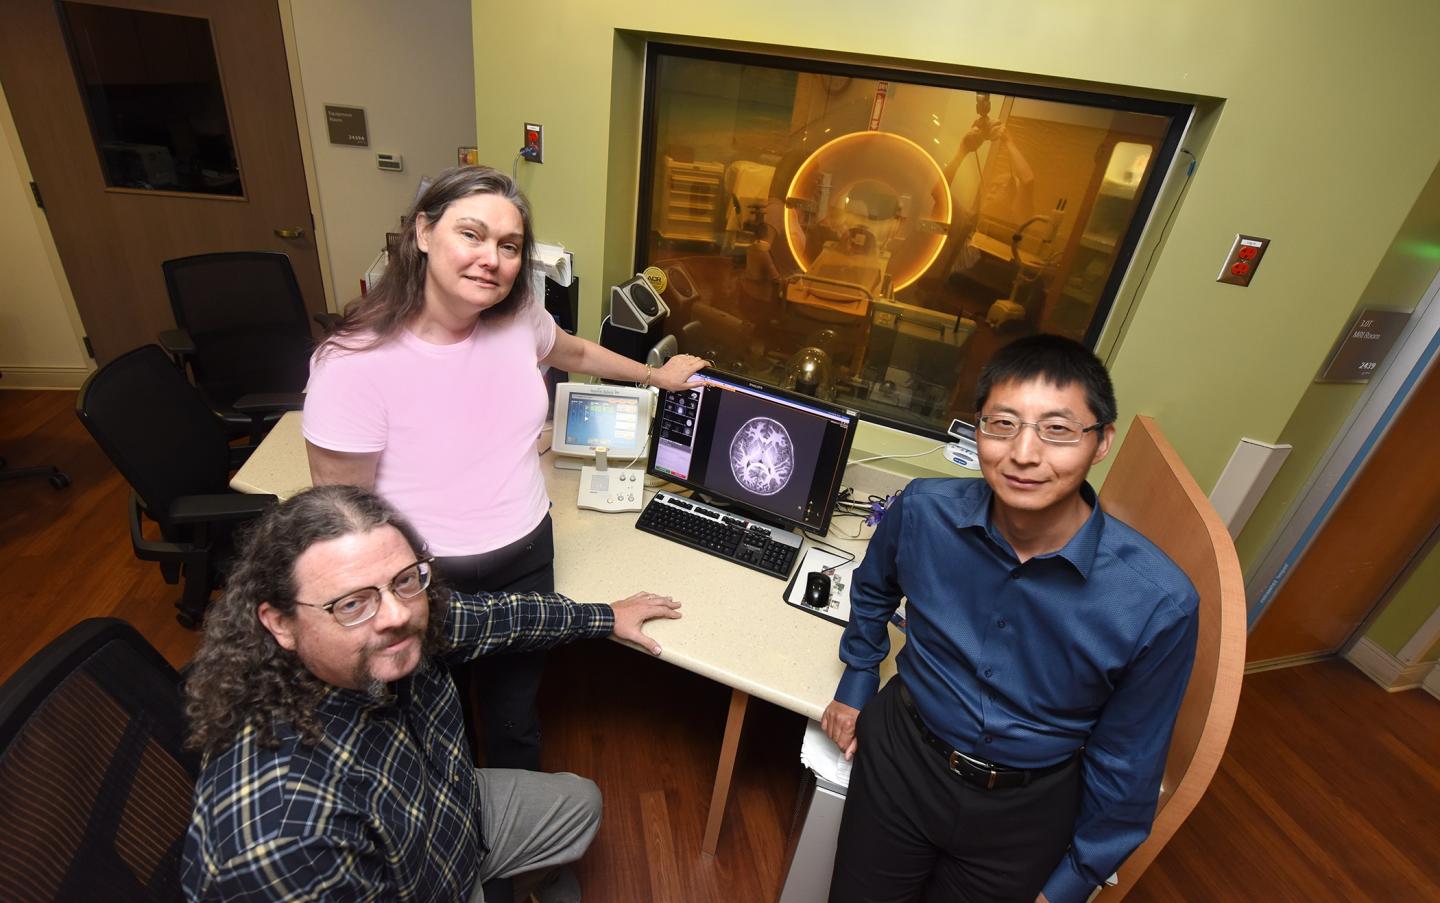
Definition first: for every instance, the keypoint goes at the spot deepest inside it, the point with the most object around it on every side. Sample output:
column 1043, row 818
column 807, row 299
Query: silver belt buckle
column 955, row 760
column 956, row 757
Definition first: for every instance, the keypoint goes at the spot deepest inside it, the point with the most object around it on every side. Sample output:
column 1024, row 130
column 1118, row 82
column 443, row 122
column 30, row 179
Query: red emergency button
column 1246, row 253
column 1240, row 268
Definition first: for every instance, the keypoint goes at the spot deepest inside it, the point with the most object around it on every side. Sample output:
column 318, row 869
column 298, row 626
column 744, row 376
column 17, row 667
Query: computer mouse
column 817, row 589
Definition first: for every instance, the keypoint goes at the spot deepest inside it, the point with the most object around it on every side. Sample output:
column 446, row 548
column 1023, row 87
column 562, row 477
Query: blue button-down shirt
column 1023, row 664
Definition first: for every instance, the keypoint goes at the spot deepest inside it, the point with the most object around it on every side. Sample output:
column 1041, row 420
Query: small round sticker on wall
column 656, row 277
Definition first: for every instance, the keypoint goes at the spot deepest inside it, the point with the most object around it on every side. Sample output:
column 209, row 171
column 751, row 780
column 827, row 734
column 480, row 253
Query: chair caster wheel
column 188, row 620
column 59, row 480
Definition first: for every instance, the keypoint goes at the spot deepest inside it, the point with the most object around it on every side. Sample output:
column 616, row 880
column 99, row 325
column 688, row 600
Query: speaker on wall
column 634, row 305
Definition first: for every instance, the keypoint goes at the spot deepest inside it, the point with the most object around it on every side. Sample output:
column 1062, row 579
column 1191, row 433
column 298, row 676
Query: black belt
column 986, row 775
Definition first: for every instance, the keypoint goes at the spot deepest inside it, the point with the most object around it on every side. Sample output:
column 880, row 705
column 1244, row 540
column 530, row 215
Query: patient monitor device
column 595, row 426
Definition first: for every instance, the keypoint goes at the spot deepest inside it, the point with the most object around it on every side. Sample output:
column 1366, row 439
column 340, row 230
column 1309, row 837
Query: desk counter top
column 735, row 629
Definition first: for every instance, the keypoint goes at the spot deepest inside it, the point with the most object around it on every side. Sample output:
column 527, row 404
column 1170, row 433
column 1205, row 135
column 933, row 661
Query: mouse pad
column 838, row 611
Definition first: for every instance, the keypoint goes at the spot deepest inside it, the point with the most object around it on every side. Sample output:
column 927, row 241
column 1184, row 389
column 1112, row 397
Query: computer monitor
column 590, row 416
column 776, row 455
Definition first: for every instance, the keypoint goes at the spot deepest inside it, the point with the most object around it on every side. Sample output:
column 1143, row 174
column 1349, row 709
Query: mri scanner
column 865, row 215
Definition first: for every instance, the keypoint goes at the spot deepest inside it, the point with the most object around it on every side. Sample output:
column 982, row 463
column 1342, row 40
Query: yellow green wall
column 1401, row 278
column 1320, row 137
column 1411, row 605
column 1404, row 274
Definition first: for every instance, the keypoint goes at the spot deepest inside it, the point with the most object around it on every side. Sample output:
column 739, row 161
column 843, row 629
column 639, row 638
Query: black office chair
column 243, row 332
column 170, row 448
column 57, row 479
column 95, row 785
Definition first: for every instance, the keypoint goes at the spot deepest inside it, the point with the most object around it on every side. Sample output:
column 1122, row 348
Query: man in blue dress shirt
column 1017, row 754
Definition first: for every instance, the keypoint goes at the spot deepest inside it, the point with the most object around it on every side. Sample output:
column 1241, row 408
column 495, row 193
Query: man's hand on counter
column 631, row 614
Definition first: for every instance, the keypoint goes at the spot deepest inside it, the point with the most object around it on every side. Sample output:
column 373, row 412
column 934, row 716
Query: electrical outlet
column 1243, row 260
column 534, row 147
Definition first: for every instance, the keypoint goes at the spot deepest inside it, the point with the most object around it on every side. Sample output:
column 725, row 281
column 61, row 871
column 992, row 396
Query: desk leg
column 725, row 770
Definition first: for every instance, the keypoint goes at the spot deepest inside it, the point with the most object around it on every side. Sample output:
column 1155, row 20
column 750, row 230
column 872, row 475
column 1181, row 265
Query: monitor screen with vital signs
column 775, row 453
column 587, row 417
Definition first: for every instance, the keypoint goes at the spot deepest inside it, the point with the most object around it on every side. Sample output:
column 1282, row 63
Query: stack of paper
column 820, row 754
column 557, row 263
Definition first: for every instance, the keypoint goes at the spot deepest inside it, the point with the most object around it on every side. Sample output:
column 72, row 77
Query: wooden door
column 85, row 79
column 1381, row 523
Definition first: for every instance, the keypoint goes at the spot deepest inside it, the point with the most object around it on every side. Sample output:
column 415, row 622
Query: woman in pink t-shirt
column 430, row 392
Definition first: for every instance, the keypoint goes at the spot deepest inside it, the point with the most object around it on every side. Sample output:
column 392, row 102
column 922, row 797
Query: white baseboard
column 1289, row 661
column 43, row 377
column 1431, row 683
column 1385, row 669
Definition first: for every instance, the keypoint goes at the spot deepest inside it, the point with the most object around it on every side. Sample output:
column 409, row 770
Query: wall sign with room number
column 1362, row 348
column 347, row 126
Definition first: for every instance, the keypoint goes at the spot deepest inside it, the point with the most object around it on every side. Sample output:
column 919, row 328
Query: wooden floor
column 1330, row 789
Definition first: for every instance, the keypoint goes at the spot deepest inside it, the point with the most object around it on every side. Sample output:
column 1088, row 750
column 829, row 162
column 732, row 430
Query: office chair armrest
column 261, row 408
column 195, row 509
column 178, row 344
column 328, row 321
column 170, row 554
column 265, row 402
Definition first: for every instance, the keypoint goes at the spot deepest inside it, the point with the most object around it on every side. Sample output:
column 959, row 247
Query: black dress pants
column 914, row 831
column 506, row 683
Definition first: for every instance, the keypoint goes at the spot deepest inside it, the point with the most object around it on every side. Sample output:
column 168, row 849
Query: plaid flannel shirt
column 386, row 806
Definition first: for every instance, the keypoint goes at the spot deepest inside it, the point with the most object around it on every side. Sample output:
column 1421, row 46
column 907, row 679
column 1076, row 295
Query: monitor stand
column 595, row 459
column 576, row 462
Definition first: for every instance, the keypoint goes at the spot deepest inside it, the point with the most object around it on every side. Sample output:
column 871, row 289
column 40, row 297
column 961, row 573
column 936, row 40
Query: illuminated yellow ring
column 885, row 157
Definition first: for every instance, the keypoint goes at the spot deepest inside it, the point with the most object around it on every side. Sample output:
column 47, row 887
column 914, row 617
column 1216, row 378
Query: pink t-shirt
column 456, row 426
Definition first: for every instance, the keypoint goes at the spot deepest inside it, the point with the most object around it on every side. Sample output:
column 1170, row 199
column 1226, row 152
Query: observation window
column 871, row 237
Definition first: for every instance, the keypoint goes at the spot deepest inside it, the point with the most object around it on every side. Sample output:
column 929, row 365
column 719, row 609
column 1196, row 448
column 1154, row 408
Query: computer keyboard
column 770, row 550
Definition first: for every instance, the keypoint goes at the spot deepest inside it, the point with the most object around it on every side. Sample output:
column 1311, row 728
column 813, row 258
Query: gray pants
column 533, row 821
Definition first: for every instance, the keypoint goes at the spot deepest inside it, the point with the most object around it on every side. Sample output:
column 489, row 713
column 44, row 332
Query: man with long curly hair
column 335, row 761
